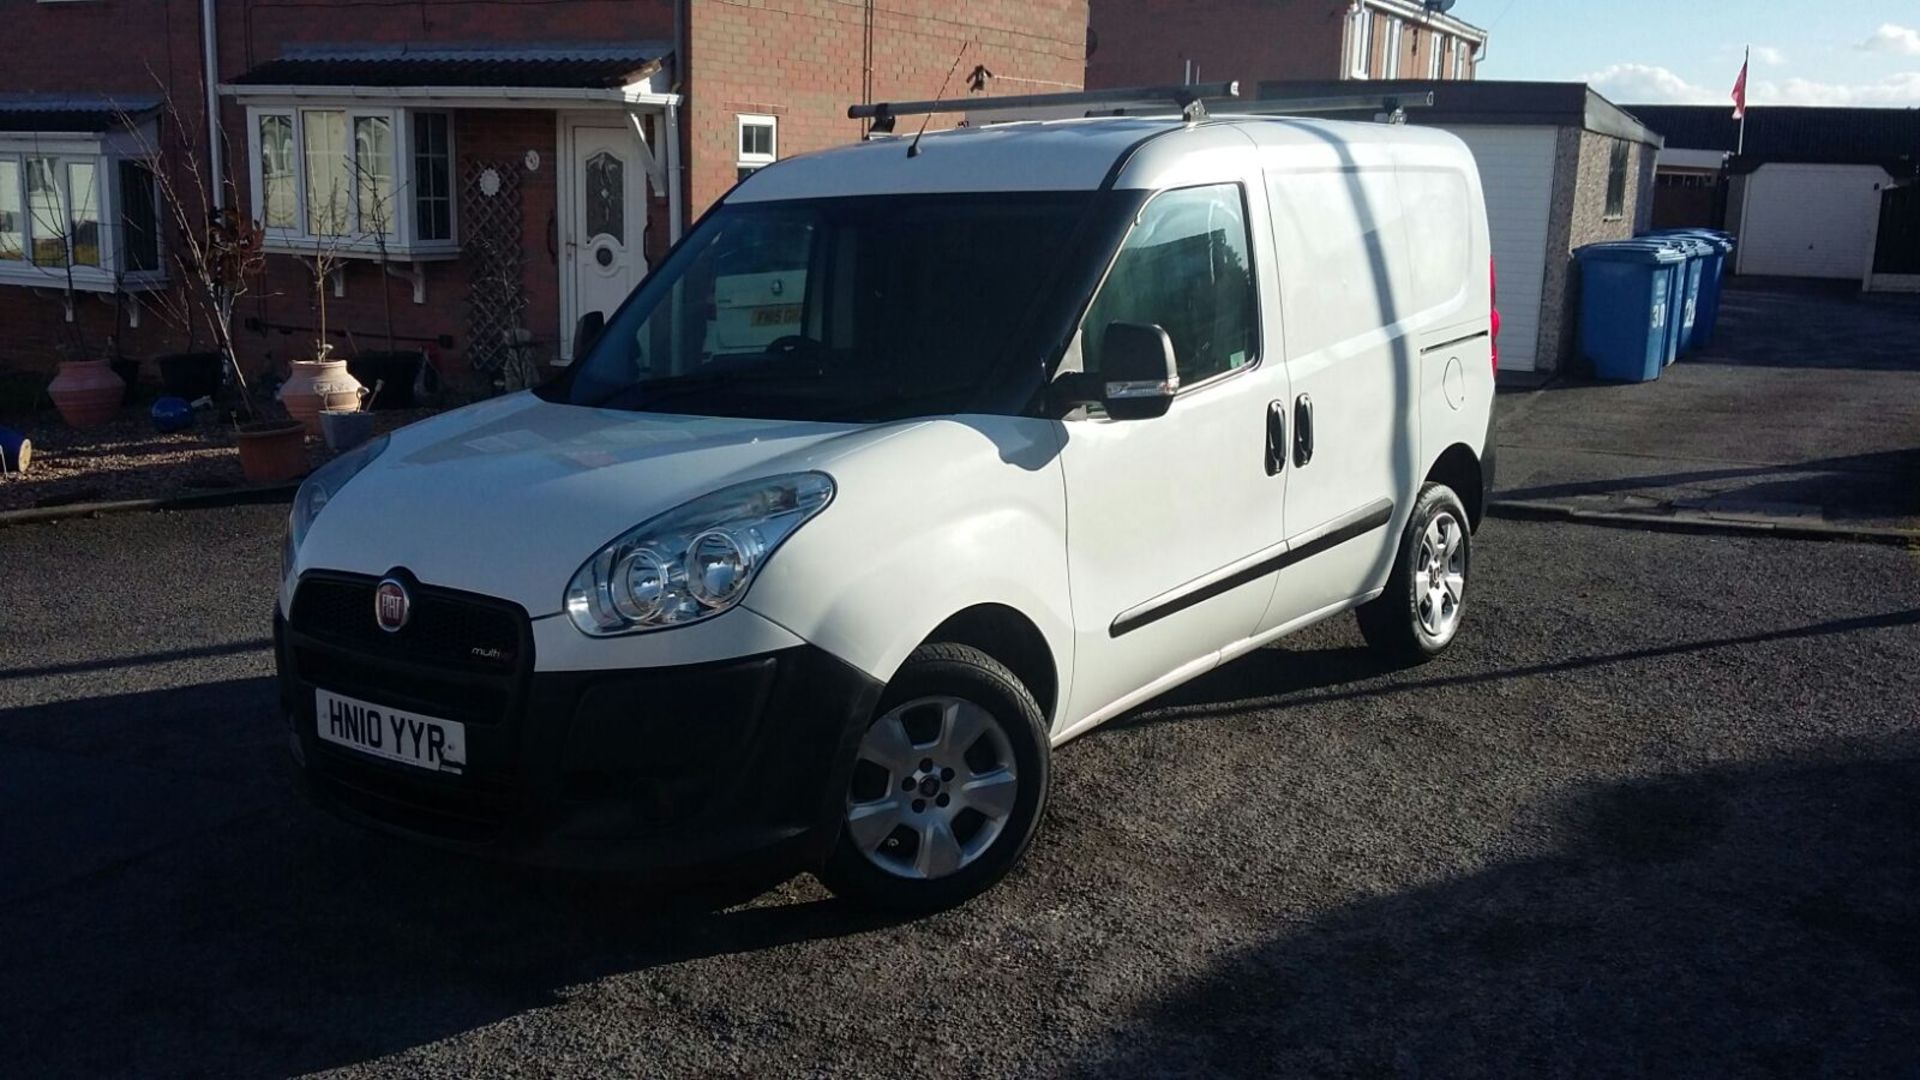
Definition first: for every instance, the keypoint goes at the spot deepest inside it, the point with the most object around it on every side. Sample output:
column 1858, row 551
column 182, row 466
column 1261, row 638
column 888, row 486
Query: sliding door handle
column 1276, row 437
column 1302, row 430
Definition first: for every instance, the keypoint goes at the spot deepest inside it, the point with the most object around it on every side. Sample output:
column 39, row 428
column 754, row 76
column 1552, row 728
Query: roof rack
column 1188, row 99
column 1390, row 106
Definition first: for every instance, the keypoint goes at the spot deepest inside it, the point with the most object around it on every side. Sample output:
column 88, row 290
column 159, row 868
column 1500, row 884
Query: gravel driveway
column 1653, row 816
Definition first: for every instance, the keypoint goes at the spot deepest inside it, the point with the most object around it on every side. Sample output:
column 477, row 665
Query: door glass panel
column 1184, row 267
column 13, row 235
column 606, row 197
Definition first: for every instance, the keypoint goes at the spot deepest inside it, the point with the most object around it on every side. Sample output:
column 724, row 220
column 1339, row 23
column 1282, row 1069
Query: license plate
column 424, row 742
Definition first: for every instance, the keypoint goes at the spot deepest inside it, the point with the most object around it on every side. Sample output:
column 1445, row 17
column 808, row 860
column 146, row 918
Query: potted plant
column 219, row 252
column 85, row 389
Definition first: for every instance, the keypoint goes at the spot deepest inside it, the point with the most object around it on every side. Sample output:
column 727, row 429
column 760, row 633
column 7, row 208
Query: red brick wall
column 1143, row 42
column 803, row 62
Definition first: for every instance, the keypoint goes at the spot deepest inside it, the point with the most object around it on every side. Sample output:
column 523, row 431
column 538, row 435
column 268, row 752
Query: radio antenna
column 913, row 148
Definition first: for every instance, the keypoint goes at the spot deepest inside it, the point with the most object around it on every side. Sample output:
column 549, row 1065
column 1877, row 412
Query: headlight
column 322, row 486
column 695, row 561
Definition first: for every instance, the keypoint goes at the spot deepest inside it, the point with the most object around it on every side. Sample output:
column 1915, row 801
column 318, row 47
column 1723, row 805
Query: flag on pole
column 1740, row 92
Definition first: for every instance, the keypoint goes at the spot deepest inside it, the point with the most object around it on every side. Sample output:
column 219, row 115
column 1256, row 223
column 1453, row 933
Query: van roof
column 1054, row 155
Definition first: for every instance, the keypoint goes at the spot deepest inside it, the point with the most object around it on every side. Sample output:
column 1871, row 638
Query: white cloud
column 1895, row 90
column 1648, row 84
column 1898, row 40
column 1769, row 55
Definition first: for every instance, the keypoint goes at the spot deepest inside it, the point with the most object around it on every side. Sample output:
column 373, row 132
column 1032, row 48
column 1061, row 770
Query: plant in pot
column 219, row 253
column 321, row 382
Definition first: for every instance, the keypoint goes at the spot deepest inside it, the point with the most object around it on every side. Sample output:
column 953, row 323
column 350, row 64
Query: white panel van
column 900, row 471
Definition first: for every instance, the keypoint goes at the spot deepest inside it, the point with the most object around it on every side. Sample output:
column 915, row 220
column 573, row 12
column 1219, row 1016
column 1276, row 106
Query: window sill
column 85, row 278
column 359, row 249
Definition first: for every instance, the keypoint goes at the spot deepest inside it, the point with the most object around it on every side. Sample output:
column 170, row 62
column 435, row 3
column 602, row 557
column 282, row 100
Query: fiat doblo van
column 905, row 467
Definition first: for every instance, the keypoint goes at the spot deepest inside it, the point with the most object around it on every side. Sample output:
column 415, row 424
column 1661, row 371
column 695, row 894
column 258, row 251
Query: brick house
column 476, row 164
column 1146, row 42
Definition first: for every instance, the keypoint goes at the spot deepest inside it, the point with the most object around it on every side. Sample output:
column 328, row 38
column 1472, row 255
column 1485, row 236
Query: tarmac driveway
column 1654, row 815
column 1806, row 409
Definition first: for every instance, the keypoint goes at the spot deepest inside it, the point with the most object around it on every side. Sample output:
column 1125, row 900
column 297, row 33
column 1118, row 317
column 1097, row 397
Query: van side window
column 1184, row 267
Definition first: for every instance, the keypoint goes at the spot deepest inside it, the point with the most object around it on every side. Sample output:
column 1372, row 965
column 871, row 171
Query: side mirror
column 1137, row 364
column 587, row 331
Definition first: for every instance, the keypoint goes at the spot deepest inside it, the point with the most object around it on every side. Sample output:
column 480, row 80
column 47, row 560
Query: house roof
column 552, row 66
column 1831, row 136
column 1485, row 101
column 44, row 114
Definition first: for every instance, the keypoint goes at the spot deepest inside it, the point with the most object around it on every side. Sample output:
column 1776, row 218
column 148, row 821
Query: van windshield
column 851, row 309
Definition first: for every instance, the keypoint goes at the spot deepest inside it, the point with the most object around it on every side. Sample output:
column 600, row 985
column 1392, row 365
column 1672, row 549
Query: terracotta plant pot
column 317, row 385
column 86, row 392
column 345, row 428
column 273, row 451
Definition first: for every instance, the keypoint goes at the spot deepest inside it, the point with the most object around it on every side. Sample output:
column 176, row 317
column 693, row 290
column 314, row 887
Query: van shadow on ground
column 190, row 916
column 1740, row 921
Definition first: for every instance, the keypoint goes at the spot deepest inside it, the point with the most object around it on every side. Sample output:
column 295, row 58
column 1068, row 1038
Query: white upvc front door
column 603, row 220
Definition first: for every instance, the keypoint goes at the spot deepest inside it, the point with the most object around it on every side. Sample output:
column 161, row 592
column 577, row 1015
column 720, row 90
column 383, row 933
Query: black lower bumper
column 720, row 769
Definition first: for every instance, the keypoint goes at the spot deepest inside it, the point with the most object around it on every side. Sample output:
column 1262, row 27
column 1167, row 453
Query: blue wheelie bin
column 1627, row 314
column 1676, row 286
column 1711, row 279
column 1696, row 251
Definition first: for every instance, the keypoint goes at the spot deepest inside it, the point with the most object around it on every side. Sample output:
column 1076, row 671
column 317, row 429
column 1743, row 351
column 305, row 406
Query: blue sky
column 1805, row 52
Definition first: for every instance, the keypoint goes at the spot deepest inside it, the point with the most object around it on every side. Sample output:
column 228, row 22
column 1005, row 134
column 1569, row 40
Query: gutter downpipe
column 217, row 181
column 676, row 214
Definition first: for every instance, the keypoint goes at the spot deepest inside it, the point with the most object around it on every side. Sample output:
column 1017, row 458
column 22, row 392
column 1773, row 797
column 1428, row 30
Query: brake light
column 1493, row 301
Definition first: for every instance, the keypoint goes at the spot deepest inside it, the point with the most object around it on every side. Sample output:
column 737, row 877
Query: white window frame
column 355, row 243
column 1438, row 45
column 104, row 153
column 743, row 121
column 1391, row 69
column 1461, row 50
column 1360, row 31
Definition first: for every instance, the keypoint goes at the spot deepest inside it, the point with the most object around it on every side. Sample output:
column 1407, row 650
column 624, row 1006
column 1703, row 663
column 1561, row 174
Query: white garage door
column 1810, row 220
column 1516, row 169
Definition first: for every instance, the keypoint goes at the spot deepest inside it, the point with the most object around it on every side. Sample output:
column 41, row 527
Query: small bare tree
column 219, row 252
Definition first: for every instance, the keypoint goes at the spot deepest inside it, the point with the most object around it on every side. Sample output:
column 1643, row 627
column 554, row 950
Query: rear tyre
column 949, row 782
column 1419, row 614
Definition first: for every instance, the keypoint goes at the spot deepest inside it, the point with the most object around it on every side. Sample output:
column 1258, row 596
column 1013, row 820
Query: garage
column 1805, row 220
column 1516, row 174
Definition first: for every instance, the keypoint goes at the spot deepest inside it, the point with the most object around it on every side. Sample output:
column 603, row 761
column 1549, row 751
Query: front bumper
column 699, row 770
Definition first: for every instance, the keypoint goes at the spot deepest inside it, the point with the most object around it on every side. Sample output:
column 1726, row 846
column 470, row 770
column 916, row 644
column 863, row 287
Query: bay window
column 76, row 211
column 342, row 177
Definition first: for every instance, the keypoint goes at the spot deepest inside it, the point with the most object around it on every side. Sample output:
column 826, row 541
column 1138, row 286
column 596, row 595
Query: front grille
column 445, row 629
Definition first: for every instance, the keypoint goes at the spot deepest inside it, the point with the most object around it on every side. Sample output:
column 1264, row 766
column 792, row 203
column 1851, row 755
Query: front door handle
column 1276, row 437
column 1302, row 431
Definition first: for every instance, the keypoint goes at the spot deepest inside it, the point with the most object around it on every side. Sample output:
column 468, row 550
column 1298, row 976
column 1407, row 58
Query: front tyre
column 1418, row 615
column 948, row 784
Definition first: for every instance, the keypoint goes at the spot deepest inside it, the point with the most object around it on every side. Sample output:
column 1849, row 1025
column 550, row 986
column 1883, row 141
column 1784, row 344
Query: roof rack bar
column 1184, row 97
column 1387, row 103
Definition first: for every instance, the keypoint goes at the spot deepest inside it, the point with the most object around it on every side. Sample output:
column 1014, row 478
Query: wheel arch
column 1459, row 468
column 1010, row 637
